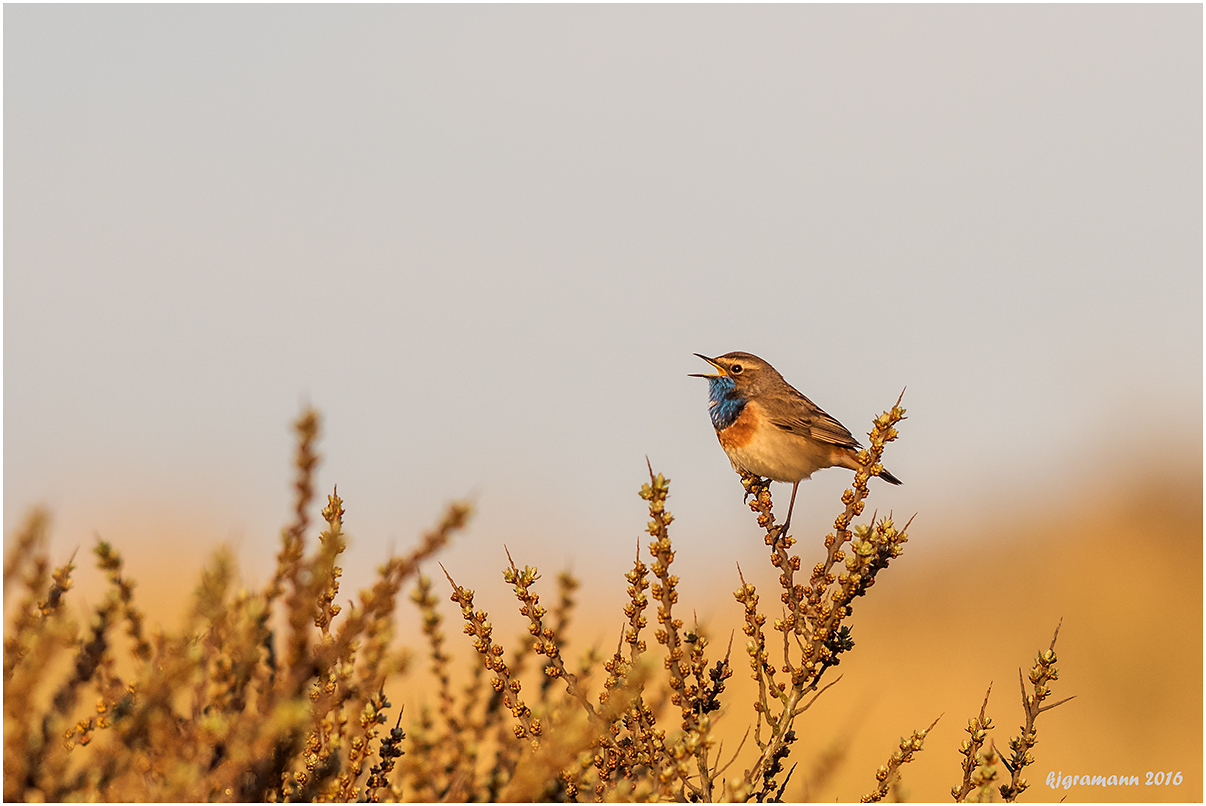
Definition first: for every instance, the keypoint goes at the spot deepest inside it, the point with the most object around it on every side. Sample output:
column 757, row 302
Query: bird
column 767, row 428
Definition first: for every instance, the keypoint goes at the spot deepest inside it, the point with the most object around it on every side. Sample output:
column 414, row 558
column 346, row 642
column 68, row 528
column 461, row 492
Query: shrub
column 277, row 694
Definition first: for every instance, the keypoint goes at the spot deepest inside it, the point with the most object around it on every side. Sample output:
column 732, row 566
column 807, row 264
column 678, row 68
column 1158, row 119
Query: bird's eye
column 735, row 369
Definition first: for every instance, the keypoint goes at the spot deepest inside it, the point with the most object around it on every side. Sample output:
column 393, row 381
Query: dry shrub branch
column 279, row 693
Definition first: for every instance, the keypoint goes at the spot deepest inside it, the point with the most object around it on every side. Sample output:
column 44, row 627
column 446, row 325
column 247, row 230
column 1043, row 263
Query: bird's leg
column 791, row 504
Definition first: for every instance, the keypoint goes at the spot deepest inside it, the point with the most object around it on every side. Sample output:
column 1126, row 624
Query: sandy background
column 973, row 598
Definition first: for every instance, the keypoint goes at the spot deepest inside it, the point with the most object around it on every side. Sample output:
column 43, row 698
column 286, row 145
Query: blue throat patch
column 726, row 405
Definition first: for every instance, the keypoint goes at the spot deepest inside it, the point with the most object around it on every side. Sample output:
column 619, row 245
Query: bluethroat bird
column 769, row 429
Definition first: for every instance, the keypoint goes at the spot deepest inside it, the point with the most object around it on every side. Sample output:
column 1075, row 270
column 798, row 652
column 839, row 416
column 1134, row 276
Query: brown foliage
column 277, row 694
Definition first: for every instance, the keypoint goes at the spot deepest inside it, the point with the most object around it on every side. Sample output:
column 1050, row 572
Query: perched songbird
column 769, row 429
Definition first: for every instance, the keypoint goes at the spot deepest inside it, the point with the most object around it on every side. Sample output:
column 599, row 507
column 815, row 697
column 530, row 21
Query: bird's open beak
column 719, row 374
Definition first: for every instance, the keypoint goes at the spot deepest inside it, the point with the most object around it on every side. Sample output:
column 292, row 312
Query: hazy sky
column 486, row 240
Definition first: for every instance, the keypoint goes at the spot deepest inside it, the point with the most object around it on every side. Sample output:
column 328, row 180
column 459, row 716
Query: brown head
column 748, row 374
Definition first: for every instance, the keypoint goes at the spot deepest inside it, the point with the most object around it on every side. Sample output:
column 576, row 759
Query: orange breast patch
column 743, row 429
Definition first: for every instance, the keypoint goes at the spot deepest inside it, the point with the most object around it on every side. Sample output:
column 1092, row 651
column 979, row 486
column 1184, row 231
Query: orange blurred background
column 973, row 598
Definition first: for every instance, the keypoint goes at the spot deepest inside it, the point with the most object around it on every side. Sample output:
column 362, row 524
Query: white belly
column 788, row 458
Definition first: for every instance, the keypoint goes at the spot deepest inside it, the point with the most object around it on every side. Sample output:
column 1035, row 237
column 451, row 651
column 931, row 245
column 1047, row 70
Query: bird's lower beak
column 720, row 374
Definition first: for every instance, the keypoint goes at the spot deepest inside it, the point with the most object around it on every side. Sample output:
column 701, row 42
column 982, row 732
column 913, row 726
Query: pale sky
column 486, row 240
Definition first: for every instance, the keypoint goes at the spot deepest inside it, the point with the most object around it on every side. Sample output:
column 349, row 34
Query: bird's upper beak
column 720, row 374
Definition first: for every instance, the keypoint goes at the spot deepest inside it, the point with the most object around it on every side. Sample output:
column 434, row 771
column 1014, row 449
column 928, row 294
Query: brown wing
column 791, row 411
